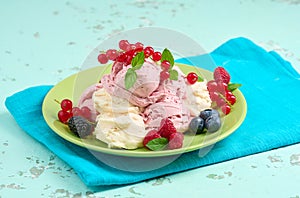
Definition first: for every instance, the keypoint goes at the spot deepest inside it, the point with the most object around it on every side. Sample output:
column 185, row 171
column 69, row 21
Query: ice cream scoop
column 141, row 94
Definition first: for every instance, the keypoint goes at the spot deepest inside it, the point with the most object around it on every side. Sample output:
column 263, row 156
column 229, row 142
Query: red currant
column 164, row 75
column 130, row 47
column 220, row 102
column 148, row 51
column 86, row 112
column 66, row 104
column 226, row 109
column 76, row 111
column 192, row 78
column 123, row 44
column 122, row 57
column 102, row 58
column 64, row 116
column 230, row 97
column 139, row 46
column 156, row 56
column 222, row 87
column 165, row 65
column 212, row 86
column 112, row 54
column 214, row 96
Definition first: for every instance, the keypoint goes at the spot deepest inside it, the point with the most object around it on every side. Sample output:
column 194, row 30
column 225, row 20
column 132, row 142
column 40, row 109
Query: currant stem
column 57, row 101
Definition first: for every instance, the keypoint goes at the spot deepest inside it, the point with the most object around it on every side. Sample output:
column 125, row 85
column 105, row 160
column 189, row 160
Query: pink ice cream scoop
column 86, row 99
column 171, row 107
column 141, row 94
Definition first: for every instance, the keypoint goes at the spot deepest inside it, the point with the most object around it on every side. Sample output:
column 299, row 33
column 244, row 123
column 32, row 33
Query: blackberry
column 80, row 126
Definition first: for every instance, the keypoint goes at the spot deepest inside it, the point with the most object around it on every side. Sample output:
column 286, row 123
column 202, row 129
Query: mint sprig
column 173, row 74
column 136, row 63
column 233, row 86
column 200, row 79
column 130, row 78
column 157, row 144
column 167, row 55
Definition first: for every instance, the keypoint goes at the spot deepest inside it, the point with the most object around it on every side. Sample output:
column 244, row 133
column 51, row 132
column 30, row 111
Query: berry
column 220, row 102
column 156, row 56
column 123, row 44
column 212, row 123
column 164, row 75
column 221, row 75
column 130, row 47
column 214, row 96
column 148, row 51
column 192, row 78
column 102, row 58
column 226, row 109
column 230, row 97
column 196, row 125
column 222, row 87
column 165, row 65
column 175, row 140
column 139, row 46
column 86, row 112
column 211, row 86
column 166, row 128
column 66, row 104
column 80, row 126
column 153, row 134
column 208, row 112
column 76, row 111
column 112, row 54
column 63, row 116
column 122, row 57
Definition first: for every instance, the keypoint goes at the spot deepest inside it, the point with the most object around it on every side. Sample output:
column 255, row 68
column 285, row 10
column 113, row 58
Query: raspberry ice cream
column 141, row 93
column 86, row 99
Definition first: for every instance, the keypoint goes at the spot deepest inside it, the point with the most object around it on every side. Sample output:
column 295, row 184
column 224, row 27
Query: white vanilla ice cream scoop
column 119, row 123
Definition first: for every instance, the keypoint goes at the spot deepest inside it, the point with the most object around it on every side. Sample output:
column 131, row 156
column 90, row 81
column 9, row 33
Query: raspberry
column 153, row 134
column 175, row 140
column 80, row 126
column 166, row 128
column 221, row 75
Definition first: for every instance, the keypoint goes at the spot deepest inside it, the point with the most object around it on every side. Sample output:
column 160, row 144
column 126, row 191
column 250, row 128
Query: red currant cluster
column 67, row 111
column 127, row 52
column 219, row 93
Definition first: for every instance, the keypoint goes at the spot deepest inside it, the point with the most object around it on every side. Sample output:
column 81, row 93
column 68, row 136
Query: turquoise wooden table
column 43, row 42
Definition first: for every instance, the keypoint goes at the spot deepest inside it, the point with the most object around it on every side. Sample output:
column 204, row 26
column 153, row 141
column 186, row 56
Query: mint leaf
column 233, row 86
column 157, row 144
column 167, row 55
column 200, row 79
column 138, row 60
column 130, row 78
column 173, row 74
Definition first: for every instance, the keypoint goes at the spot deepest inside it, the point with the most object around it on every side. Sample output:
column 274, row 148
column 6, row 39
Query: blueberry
column 208, row 112
column 212, row 123
column 196, row 125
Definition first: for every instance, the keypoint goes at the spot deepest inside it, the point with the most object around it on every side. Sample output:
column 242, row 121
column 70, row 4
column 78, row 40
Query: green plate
column 74, row 85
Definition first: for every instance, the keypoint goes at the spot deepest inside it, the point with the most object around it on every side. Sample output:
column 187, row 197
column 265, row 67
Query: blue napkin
column 270, row 85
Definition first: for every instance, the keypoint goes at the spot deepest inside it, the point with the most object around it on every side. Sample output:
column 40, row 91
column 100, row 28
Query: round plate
column 74, row 85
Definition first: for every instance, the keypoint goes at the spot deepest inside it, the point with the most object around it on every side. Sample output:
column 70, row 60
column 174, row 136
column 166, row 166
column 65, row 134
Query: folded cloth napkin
column 271, row 88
